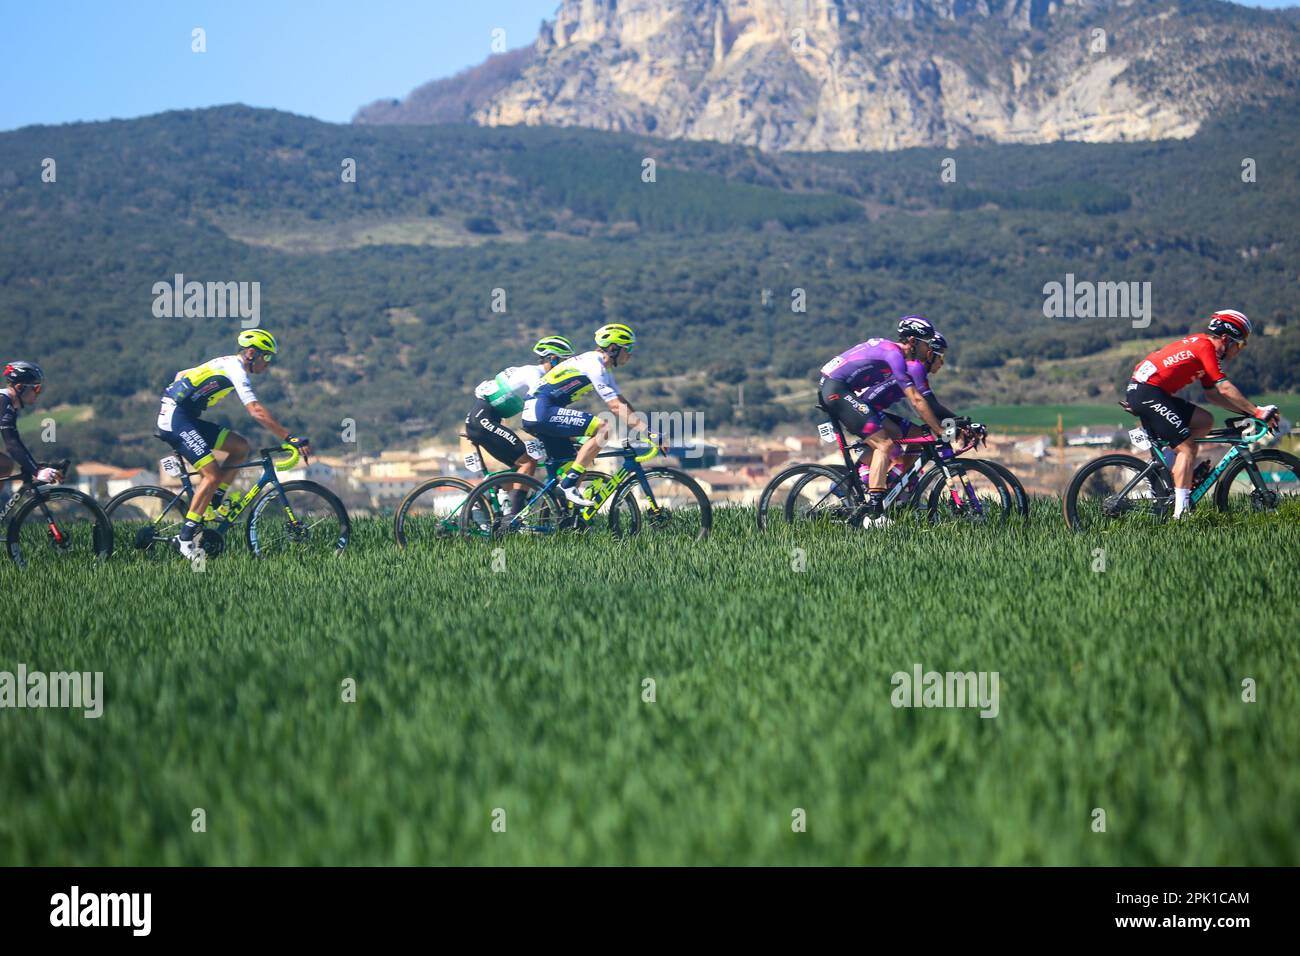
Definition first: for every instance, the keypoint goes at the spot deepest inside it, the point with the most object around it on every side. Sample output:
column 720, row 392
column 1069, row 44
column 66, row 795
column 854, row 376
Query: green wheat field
column 518, row 696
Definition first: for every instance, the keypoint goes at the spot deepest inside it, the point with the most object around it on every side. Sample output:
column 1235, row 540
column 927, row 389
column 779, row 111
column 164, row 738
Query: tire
column 146, row 518
column 1021, row 499
column 84, row 531
column 1243, row 497
column 431, row 512
column 680, row 510
column 321, row 525
column 482, row 516
column 940, row 505
column 821, row 494
column 772, row 491
column 1091, row 501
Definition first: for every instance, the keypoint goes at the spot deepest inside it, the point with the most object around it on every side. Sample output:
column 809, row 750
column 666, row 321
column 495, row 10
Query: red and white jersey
column 1180, row 363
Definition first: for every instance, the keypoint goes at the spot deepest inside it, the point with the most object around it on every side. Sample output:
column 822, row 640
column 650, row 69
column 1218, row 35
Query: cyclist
column 502, row 397
column 1164, row 415
column 24, row 381
column 548, row 416
column 858, row 385
column 179, row 423
column 920, row 372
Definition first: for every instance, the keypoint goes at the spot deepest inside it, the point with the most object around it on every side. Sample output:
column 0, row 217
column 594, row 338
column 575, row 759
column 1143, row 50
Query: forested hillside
column 381, row 290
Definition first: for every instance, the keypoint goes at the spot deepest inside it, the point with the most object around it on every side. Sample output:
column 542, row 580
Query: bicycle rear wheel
column 306, row 519
column 1112, row 489
column 671, row 503
column 490, row 513
column 1279, row 488
column 147, row 517
column 58, row 525
column 824, row 494
column 431, row 512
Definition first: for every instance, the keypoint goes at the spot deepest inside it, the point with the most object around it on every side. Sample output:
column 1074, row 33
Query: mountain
column 381, row 290
column 877, row 74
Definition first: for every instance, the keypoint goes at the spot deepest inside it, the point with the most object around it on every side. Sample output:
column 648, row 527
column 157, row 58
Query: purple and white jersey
column 875, row 369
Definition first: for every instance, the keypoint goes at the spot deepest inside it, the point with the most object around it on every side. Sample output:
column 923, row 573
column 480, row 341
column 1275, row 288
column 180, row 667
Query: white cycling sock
column 1181, row 499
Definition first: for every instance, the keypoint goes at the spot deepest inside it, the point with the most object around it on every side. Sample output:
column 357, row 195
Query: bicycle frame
column 30, row 487
column 602, row 489
column 932, row 452
column 1240, row 446
column 237, row 506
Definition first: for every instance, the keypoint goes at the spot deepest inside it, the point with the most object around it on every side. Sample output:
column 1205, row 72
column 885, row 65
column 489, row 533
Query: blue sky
column 68, row 60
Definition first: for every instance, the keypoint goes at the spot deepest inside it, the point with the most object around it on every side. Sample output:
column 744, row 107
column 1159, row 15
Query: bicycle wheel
column 1279, row 472
column 1020, row 500
column 823, row 494
column 147, row 517
column 972, row 491
column 306, row 519
column 778, row 491
column 671, row 502
column 1114, row 489
column 58, row 524
column 431, row 512
column 490, row 513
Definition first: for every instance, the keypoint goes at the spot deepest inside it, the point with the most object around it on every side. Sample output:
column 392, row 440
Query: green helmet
column 553, row 345
column 258, row 339
column 615, row 334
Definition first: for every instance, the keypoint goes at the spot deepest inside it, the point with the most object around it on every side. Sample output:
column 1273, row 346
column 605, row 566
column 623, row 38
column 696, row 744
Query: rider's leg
column 235, row 447
column 597, row 432
column 210, row 473
column 882, row 441
column 1185, row 459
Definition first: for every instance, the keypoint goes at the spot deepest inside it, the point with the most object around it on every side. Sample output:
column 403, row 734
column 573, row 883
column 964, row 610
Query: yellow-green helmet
column 615, row 334
column 556, row 345
column 258, row 339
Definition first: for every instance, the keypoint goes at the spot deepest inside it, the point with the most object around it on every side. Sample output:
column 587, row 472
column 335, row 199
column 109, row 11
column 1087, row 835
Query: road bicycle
column 432, row 510
column 663, row 501
column 1125, row 489
column 48, row 523
column 299, row 516
column 936, row 483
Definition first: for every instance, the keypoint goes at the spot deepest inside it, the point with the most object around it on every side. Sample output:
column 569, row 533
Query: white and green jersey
column 507, row 391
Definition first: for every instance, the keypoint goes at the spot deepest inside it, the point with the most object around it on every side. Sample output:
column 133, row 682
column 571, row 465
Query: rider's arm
column 1226, row 395
column 264, row 418
column 940, row 410
column 626, row 413
column 14, row 444
column 923, row 408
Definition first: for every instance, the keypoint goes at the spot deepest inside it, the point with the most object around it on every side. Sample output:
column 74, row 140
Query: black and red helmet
column 23, row 373
column 1230, row 323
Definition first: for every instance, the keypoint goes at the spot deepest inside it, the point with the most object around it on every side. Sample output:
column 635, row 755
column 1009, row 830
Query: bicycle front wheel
column 1116, row 489
column 300, row 517
column 58, row 525
column 671, row 503
column 431, row 512
column 972, row 491
column 1277, row 489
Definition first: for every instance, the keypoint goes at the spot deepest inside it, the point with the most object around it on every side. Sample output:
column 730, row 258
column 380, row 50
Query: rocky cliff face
column 880, row 74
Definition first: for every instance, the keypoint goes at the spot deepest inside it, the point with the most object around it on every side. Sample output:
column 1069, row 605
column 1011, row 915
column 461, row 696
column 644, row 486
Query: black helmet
column 24, row 373
column 916, row 327
column 938, row 343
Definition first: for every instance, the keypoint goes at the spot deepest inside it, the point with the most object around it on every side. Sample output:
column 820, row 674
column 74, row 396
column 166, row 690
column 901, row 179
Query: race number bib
column 171, row 465
column 536, row 451
column 1144, row 371
column 833, row 364
column 1139, row 438
column 165, row 414
column 474, row 464
column 826, row 430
